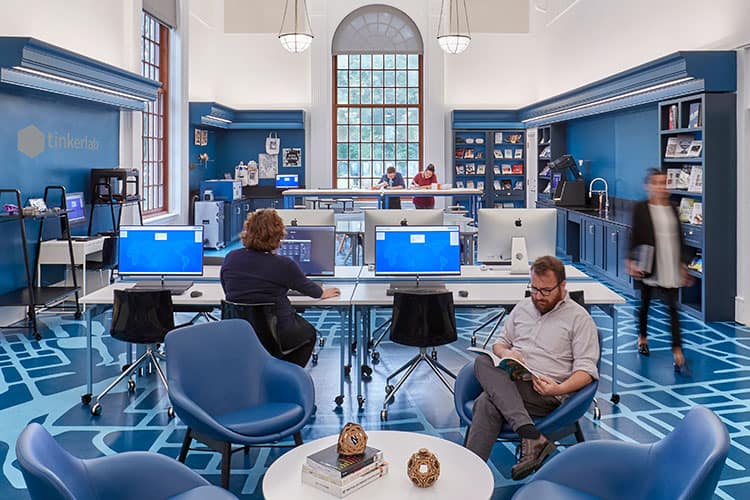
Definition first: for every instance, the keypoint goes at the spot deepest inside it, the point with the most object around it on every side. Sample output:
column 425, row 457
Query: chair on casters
column 229, row 390
column 561, row 422
column 262, row 317
column 685, row 464
column 140, row 317
column 51, row 473
column 423, row 320
column 108, row 261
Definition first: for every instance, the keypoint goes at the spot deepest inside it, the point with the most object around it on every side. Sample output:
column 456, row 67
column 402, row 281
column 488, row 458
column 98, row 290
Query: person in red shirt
column 423, row 180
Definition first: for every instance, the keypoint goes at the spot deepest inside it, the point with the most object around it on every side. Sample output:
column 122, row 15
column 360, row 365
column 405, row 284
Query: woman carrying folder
column 658, row 260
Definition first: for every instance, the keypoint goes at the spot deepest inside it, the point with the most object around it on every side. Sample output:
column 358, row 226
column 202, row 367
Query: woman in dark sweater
column 657, row 224
column 255, row 274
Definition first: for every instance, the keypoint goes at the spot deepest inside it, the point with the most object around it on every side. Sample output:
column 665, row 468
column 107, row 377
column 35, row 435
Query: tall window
column 155, row 65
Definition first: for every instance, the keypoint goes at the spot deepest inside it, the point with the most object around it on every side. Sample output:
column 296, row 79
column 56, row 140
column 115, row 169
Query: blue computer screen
column 287, row 181
column 161, row 250
column 75, row 207
column 417, row 250
column 312, row 247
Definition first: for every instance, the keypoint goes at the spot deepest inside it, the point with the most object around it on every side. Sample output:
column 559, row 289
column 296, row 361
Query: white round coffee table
column 462, row 473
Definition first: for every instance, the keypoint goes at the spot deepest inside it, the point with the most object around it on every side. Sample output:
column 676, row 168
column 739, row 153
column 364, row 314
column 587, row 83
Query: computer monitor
column 498, row 227
column 307, row 217
column 417, row 250
column 76, row 208
column 287, row 181
column 312, row 247
column 161, row 251
column 432, row 217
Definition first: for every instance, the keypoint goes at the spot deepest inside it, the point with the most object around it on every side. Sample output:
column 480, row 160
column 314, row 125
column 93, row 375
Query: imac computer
column 417, row 251
column 533, row 231
column 287, row 181
column 293, row 217
column 161, row 251
column 312, row 247
column 396, row 218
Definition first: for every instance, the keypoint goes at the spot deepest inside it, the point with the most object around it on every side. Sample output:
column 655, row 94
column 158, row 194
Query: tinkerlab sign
column 32, row 142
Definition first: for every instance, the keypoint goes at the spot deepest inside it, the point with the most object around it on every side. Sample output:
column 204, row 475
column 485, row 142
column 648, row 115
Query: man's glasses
column 544, row 292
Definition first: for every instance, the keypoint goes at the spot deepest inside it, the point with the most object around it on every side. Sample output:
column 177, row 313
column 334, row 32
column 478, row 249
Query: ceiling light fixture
column 295, row 34
column 453, row 28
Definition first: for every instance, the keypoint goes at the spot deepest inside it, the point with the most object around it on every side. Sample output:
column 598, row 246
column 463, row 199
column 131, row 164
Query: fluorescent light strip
column 209, row 117
column 50, row 76
column 610, row 99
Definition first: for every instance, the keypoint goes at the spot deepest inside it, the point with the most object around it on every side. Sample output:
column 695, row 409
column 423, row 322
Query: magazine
column 515, row 368
column 644, row 258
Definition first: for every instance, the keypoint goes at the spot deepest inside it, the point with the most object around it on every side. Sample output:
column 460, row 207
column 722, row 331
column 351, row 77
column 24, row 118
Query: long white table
column 56, row 252
column 471, row 273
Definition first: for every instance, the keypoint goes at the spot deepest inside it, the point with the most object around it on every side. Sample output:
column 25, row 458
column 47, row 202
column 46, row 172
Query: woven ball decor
column 352, row 440
column 423, row 468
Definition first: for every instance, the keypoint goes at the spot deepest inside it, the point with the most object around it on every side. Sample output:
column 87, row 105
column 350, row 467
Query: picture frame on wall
column 268, row 166
column 197, row 137
column 204, row 137
column 291, row 157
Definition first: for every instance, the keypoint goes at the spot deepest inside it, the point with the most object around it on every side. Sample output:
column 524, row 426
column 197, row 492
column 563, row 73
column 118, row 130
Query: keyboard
column 175, row 288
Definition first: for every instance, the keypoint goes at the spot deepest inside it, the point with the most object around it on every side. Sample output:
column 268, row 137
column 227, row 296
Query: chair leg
column 466, row 436
column 579, row 433
column 389, row 396
column 123, row 376
column 246, row 450
column 185, row 445
column 499, row 319
column 156, row 364
column 226, row 463
column 409, row 364
column 297, row 438
column 437, row 369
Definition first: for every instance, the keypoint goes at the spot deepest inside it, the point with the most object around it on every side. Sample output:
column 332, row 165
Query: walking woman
column 656, row 236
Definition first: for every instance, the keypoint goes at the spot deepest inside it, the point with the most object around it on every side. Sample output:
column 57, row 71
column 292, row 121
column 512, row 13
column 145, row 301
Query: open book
column 515, row 369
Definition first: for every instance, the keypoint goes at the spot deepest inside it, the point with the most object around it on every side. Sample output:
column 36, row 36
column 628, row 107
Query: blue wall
column 200, row 171
column 619, row 146
column 57, row 123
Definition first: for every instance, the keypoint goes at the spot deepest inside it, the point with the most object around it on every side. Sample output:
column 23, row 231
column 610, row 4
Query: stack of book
column 339, row 475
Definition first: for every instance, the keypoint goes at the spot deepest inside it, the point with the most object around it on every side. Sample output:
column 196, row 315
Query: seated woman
column 255, row 274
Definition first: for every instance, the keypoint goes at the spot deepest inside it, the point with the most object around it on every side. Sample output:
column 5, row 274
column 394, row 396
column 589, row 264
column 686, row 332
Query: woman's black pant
column 298, row 333
column 669, row 296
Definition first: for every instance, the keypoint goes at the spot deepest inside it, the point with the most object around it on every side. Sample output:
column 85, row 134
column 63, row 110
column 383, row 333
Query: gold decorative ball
column 423, row 468
column 352, row 440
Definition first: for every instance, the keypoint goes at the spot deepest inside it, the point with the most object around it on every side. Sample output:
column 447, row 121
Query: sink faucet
column 601, row 192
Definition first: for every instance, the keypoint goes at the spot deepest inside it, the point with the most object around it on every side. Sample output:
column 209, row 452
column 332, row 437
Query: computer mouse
column 196, row 293
column 463, row 293
column 483, row 267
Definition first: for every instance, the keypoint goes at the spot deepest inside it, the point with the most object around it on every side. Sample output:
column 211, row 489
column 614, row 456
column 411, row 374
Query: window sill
column 160, row 218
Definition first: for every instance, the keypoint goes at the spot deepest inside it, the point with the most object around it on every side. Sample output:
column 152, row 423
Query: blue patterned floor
column 42, row 381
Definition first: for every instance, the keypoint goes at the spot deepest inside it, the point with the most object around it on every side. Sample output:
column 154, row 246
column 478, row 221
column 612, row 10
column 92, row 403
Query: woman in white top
column 657, row 259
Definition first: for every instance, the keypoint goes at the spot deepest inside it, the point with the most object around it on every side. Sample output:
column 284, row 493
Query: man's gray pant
column 502, row 400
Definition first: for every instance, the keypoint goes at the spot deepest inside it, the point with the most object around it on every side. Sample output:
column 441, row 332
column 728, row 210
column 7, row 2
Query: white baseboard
column 741, row 313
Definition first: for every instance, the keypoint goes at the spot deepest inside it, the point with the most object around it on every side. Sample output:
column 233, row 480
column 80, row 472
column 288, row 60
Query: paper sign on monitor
column 416, row 238
column 160, row 236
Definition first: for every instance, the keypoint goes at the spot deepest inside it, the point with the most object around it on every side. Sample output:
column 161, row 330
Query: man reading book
column 557, row 339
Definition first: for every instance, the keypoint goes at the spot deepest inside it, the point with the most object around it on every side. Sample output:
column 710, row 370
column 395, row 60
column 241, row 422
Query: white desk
column 462, row 473
column 341, row 273
column 495, row 273
column 56, row 252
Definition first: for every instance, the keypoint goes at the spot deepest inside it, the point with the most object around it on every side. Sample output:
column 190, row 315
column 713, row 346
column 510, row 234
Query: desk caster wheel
column 361, row 402
column 388, row 389
column 615, row 398
column 315, row 358
column 366, row 371
column 347, row 370
column 473, row 341
column 384, row 415
column 354, row 348
column 96, row 410
column 339, row 400
column 170, row 412
column 597, row 413
column 322, row 341
column 86, row 399
column 78, row 315
column 125, row 367
column 37, row 336
column 131, row 385
column 375, row 357
column 434, row 355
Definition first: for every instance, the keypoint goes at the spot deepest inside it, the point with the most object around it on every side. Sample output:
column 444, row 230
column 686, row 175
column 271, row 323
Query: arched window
column 377, row 94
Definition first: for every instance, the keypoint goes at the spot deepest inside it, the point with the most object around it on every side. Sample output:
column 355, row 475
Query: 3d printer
column 567, row 183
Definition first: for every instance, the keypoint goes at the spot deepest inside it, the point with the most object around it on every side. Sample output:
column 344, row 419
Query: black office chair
column 262, row 317
column 140, row 317
column 426, row 319
column 108, row 261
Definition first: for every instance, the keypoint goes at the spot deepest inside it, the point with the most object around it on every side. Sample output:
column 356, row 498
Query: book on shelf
column 469, row 184
column 496, row 185
column 460, row 140
column 695, row 182
column 460, row 170
column 469, row 140
column 508, row 154
column 518, row 154
column 469, row 153
column 546, row 153
column 518, row 185
column 678, row 178
column 643, row 255
column 310, row 477
column 678, row 146
column 508, row 204
column 460, row 184
column 547, row 188
column 696, row 214
column 694, row 120
column 506, row 168
column 517, row 168
column 696, row 264
column 506, row 185
column 470, row 168
column 479, row 155
column 460, row 153
column 496, row 170
column 686, row 209
column 480, row 185
column 695, row 149
column 516, row 369
column 498, row 154
column 672, row 117
column 481, row 169
column 545, row 170
column 498, row 137
column 330, row 462
column 515, row 138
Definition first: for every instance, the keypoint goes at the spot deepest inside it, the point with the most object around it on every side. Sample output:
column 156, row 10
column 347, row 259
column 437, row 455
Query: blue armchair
column 686, row 464
column 228, row 389
column 52, row 473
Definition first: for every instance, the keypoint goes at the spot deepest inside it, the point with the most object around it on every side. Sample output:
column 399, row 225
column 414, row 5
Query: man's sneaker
column 533, row 453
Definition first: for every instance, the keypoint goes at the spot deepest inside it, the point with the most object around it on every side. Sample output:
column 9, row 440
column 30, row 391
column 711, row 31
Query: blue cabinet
column 561, row 245
column 592, row 245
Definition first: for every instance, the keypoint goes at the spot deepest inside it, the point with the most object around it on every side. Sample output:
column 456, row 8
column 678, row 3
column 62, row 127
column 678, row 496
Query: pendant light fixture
column 453, row 29
column 295, row 34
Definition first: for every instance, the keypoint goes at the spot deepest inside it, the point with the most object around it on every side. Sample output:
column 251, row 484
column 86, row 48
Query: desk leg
column 363, row 324
column 86, row 398
column 343, row 317
column 615, row 397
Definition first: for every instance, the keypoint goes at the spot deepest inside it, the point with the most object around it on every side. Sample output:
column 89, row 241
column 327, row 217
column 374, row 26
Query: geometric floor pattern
column 42, row 382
